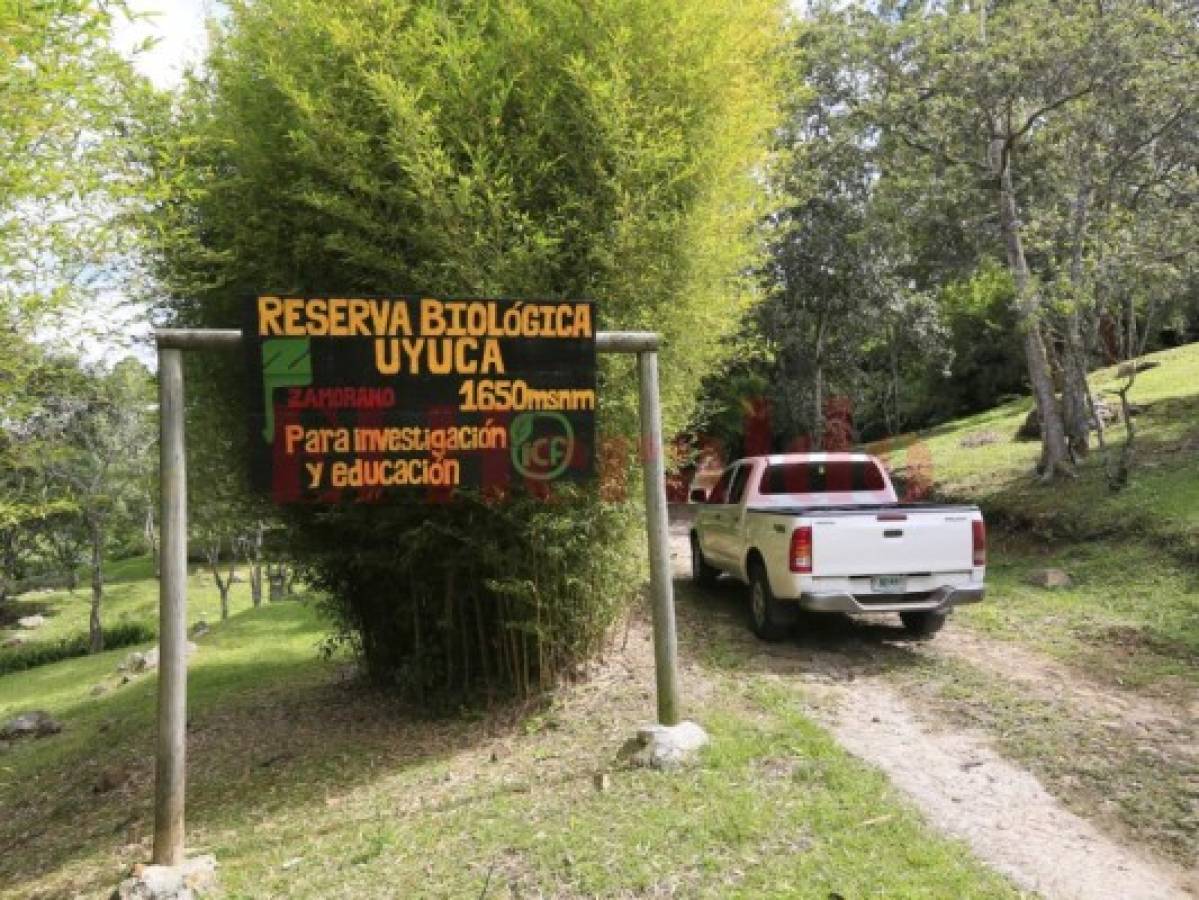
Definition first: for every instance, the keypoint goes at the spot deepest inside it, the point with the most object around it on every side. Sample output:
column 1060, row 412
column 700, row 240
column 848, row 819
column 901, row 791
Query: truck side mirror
column 698, row 495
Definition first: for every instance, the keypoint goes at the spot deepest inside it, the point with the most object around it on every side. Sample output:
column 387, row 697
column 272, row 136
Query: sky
column 178, row 28
column 180, row 42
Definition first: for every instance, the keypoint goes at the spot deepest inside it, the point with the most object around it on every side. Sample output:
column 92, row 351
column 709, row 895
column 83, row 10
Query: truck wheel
column 924, row 623
column 701, row 572
column 767, row 617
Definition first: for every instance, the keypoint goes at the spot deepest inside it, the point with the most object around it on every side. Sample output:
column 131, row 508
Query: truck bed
column 861, row 509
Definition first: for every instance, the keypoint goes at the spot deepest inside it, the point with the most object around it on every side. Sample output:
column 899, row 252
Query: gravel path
column 1003, row 812
column 961, row 785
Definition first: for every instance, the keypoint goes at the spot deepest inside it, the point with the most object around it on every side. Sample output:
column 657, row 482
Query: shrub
column 30, row 656
column 611, row 150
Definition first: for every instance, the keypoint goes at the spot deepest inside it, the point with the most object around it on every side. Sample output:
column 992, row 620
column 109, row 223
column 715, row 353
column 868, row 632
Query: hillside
column 304, row 782
column 1131, row 614
column 979, row 459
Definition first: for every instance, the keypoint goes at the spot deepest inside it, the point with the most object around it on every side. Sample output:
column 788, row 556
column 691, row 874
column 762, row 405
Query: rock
column 14, row 641
column 665, row 746
column 182, row 882
column 1049, row 578
column 1030, row 428
column 111, row 778
column 1133, row 366
column 31, row 724
column 134, row 662
column 31, row 622
column 980, row 439
column 146, row 662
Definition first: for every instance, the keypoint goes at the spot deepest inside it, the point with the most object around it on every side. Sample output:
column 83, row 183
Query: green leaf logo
column 286, row 362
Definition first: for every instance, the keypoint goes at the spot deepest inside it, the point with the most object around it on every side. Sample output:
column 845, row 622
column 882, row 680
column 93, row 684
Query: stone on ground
column 37, row 723
column 183, row 882
column 1049, row 578
column 31, row 622
column 665, row 746
column 148, row 661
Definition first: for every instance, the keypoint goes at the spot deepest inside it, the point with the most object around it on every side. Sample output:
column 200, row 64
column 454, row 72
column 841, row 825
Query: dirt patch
column 961, row 784
column 968, row 790
column 1170, row 727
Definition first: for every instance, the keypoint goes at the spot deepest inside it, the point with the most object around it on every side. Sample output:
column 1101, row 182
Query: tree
column 72, row 168
column 521, row 148
column 990, row 105
column 99, row 443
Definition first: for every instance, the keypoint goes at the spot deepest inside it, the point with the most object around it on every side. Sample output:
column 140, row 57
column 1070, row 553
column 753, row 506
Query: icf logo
column 542, row 444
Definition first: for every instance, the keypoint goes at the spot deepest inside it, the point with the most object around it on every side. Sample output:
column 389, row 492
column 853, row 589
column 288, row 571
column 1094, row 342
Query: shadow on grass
column 834, row 645
column 265, row 734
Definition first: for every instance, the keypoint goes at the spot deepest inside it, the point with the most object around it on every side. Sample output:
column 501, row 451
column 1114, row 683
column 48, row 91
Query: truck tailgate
column 891, row 543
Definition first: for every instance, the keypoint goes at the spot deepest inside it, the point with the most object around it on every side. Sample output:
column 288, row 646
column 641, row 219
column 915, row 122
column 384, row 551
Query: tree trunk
column 1054, row 450
column 256, row 566
column 276, row 577
column 151, row 533
column 818, row 389
column 1076, row 401
column 213, row 553
column 95, row 632
column 1075, row 406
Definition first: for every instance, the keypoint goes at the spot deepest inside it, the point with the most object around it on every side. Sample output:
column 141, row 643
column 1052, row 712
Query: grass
column 130, row 597
column 1161, row 503
column 1132, row 615
column 307, row 785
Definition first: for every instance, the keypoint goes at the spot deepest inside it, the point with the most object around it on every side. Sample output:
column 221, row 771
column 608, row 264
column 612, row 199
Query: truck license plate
column 888, row 584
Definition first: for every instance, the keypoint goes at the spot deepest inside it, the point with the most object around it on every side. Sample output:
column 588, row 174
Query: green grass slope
column 308, row 785
column 1162, row 501
column 1131, row 615
column 130, row 596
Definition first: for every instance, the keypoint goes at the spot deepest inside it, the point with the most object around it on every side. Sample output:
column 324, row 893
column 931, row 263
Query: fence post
column 658, row 530
column 172, row 615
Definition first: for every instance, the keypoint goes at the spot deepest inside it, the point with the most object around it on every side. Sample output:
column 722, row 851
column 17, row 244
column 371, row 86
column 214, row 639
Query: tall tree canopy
column 959, row 174
column 612, row 150
column 71, row 172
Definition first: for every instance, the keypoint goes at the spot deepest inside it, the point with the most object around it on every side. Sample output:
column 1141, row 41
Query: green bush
column 30, row 656
column 611, row 150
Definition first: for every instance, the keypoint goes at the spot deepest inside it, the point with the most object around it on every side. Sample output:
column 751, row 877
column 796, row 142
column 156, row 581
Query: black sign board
column 361, row 399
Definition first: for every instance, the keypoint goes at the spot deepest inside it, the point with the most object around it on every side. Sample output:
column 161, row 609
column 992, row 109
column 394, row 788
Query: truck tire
column 701, row 572
column 923, row 623
column 768, row 618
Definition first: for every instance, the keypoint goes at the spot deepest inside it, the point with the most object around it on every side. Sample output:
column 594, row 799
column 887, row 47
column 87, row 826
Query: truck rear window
column 821, row 477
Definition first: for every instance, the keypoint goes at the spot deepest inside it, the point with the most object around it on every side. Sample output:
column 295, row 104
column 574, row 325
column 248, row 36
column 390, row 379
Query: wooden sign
column 361, row 399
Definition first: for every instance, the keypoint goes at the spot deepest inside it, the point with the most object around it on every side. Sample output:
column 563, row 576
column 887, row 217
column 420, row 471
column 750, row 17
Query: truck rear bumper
column 941, row 600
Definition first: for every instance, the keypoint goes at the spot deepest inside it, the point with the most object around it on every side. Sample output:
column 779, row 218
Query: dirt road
column 868, row 683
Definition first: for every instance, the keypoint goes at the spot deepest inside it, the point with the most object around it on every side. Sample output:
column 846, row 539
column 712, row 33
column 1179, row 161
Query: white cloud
column 177, row 26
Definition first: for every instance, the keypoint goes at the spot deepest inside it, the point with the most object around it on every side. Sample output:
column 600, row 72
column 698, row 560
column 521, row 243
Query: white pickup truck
column 825, row 532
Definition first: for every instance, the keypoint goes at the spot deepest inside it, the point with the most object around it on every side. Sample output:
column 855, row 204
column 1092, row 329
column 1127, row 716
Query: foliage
column 477, row 600
column 927, row 141
column 72, row 171
column 519, row 148
column 29, row 656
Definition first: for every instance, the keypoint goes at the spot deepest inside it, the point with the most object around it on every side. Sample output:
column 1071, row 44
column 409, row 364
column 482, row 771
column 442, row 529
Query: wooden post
column 172, row 592
column 657, row 528
column 172, row 615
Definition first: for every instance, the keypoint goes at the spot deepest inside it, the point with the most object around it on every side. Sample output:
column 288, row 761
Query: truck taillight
column 980, row 543
column 801, row 550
